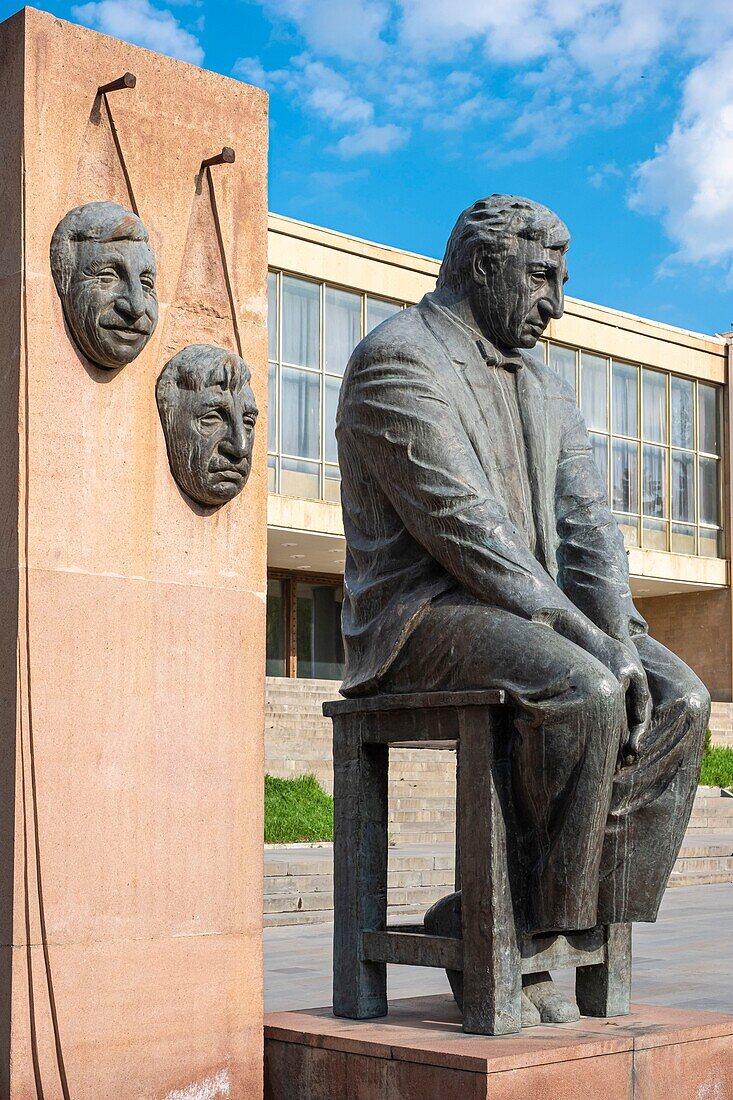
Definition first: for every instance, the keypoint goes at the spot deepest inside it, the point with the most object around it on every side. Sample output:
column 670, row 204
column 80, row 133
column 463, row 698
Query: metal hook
column 127, row 80
column 226, row 156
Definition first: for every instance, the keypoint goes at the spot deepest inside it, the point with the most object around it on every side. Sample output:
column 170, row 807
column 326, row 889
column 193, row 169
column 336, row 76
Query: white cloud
column 315, row 86
column 476, row 108
column 328, row 94
column 597, row 177
column 348, row 29
column 373, row 139
column 518, row 79
column 139, row 22
column 251, row 70
column 689, row 180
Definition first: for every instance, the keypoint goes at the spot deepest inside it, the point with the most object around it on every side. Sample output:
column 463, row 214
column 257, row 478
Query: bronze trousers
column 595, row 841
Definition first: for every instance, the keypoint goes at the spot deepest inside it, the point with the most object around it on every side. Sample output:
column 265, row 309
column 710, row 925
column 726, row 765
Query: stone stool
column 493, row 954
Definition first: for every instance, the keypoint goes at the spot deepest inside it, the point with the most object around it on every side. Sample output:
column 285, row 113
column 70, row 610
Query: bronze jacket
column 422, row 497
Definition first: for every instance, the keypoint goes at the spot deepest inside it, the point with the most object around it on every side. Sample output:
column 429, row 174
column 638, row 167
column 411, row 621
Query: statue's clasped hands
column 621, row 659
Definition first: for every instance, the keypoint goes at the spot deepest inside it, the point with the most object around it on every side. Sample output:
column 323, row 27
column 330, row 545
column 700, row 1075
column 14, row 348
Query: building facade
column 654, row 398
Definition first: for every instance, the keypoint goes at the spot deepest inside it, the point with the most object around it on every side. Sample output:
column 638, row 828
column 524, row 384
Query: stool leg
column 360, row 869
column 605, row 990
column 457, row 865
column 492, row 977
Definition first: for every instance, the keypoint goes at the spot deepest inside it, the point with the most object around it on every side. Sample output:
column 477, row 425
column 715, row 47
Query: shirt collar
column 495, row 358
column 512, row 361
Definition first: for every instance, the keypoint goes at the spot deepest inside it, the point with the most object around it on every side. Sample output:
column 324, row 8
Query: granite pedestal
column 419, row 1052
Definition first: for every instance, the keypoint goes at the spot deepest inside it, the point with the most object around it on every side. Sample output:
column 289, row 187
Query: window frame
column 637, row 519
column 290, row 579
column 276, row 457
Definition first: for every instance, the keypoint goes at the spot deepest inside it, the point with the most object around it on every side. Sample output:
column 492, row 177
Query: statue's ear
column 480, row 265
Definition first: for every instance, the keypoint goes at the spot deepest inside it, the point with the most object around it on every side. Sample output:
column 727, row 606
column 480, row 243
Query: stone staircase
column 721, row 724
column 422, row 782
column 299, row 879
column 298, row 741
column 712, row 812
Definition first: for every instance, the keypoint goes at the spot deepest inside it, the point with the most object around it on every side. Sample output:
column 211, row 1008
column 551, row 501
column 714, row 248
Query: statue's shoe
column 530, row 1013
column 549, row 1002
column 444, row 919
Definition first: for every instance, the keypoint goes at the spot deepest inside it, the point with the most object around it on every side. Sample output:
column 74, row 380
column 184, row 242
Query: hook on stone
column 226, row 156
column 127, row 80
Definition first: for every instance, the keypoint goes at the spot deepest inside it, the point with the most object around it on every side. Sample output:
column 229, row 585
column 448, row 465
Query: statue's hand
column 629, row 671
column 621, row 659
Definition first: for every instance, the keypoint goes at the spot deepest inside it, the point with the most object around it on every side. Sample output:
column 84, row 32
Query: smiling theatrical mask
column 208, row 413
column 104, row 271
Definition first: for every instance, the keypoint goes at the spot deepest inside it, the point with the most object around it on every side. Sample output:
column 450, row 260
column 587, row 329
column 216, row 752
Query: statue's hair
column 95, row 221
column 493, row 224
column 199, row 366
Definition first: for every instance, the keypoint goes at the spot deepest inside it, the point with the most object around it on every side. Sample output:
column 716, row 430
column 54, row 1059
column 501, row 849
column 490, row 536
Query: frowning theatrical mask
column 208, row 413
column 104, row 271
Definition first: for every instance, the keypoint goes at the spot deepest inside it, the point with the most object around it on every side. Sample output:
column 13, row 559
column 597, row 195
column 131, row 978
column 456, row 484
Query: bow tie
column 493, row 358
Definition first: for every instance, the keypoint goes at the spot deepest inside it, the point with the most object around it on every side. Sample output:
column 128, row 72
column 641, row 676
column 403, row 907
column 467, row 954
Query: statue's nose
column 551, row 305
column 235, row 443
column 132, row 302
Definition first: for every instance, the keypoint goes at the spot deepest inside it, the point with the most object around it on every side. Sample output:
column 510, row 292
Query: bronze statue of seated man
column 482, row 553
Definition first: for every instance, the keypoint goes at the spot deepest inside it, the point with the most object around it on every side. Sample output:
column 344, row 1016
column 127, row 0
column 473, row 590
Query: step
column 299, row 880
column 705, row 793
column 699, row 878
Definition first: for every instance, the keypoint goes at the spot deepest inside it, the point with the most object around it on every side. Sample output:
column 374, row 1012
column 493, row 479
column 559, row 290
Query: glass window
column 654, row 484
column 275, row 628
column 332, row 489
column 563, row 362
column 683, row 486
column 646, row 426
column 629, row 527
column 301, row 322
column 683, row 538
column 300, row 430
column 343, row 328
column 271, row 315
column 333, row 386
column 378, row 310
column 655, row 406
column 594, row 391
column 625, row 413
column 300, row 479
column 599, row 446
column 709, row 419
column 654, row 536
column 625, row 476
column 272, row 407
column 320, row 650
column 709, row 490
column 710, row 542
column 683, row 412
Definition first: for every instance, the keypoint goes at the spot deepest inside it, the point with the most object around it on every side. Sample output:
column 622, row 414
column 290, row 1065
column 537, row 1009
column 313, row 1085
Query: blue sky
column 390, row 116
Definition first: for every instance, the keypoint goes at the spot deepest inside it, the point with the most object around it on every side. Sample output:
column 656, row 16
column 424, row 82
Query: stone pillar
column 132, row 625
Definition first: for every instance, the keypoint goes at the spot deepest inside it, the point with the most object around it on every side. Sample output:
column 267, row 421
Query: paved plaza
column 685, row 959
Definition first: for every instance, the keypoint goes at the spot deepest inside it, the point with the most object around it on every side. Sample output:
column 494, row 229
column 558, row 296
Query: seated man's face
column 523, row 290
column 212, row 434
column 111, row 304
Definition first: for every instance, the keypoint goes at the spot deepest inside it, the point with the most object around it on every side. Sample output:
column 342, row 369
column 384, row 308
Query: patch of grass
column 717, row 766
column 297, row 810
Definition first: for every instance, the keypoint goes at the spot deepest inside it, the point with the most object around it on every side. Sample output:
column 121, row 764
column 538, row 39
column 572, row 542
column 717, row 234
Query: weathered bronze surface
column 482, row 553
column 208, row 413
column 104, row 271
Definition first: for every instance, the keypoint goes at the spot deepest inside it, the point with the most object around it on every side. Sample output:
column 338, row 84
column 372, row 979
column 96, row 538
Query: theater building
column 654, row 398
